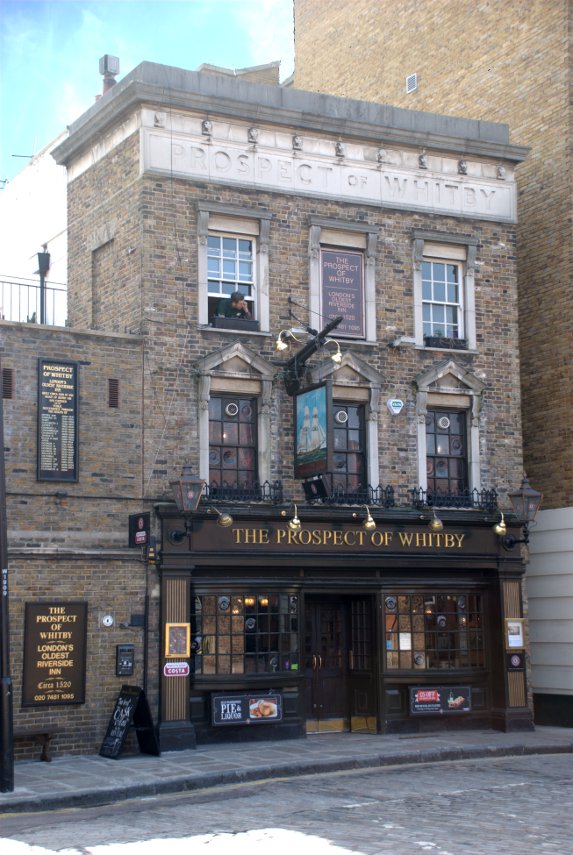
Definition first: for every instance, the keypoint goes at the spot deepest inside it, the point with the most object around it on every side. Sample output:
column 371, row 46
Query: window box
column 244, row 324
column 445, row 343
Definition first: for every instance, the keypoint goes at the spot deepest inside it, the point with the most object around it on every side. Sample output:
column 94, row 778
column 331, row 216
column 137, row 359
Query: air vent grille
column 8, row 383
column 411, row 83
column 113, row 392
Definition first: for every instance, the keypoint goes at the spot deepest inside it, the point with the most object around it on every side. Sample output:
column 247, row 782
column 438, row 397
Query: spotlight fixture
column 282, row 342
column 500, row 527
column 337, row 355
column 224, row 520
column 369, row 523
column 435, row 523
column 293, row 524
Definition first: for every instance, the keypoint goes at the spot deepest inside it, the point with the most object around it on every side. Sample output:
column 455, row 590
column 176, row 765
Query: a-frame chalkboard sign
column 131, row 708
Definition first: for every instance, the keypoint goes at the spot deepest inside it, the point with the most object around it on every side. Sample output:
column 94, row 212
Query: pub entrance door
column 340, row 664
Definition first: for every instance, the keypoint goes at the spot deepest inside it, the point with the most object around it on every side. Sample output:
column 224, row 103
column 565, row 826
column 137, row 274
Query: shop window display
column 429, row 631
column 245, row 633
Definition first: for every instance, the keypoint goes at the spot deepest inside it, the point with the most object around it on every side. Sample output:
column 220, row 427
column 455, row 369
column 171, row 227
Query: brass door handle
column 313, row 662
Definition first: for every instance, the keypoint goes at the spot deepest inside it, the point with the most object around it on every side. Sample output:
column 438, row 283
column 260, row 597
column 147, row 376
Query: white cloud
column 269, row 27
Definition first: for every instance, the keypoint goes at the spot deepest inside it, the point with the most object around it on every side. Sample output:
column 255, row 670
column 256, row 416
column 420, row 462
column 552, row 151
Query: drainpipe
column 43, row 267
column 6, row 720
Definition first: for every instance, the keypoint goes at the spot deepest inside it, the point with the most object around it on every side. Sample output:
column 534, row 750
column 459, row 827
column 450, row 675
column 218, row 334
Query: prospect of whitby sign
column 362, row 178
column 320, row 538
column 57, row 421
column 54, row 653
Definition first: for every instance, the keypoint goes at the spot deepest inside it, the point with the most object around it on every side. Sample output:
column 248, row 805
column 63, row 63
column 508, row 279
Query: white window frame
column 439, row 328
column 249, row 285
column 226, row 220
column 329, row 234
column 447, row 248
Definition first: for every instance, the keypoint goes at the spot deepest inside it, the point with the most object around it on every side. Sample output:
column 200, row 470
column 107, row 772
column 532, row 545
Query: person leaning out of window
column 234, row 307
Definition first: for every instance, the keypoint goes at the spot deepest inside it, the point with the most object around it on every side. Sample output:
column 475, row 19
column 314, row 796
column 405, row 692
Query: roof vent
column 411, row 83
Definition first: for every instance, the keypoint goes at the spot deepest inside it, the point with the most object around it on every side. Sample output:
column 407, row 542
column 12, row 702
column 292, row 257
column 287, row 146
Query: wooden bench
column 42, row 735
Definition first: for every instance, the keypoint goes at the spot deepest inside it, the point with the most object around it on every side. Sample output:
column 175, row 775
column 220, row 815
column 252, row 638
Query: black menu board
column 131, row 708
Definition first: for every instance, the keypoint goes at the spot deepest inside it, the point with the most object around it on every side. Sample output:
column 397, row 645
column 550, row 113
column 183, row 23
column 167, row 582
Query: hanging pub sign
column 312, row 409
column 425, row 700
column 342, row 278
column 54, row 653
column 57, row 420
column 139, row 527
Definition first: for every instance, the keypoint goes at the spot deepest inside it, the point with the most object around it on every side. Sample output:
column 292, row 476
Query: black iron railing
column 379, row 497
column 25, row 301
column 271, row 492
column 481, row 500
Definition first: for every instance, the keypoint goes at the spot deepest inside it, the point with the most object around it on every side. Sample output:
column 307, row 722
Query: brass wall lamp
column 293, row 524
column 224, row 520
column 368, row 523
column 435, row 523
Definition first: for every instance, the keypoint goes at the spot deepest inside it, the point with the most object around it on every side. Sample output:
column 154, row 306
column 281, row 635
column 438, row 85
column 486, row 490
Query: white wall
column 550, row 588
column 33, row 212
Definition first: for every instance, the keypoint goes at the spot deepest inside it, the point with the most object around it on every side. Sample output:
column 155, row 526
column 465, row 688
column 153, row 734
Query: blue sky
column 50, row 51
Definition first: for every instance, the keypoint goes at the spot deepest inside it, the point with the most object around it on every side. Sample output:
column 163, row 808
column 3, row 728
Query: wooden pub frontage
column 333, row 626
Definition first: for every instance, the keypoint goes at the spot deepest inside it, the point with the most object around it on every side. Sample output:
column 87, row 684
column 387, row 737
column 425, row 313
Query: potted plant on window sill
column 438, row 339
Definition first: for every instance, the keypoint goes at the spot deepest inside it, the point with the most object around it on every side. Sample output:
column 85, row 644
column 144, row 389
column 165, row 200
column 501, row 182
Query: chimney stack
column 109, row 68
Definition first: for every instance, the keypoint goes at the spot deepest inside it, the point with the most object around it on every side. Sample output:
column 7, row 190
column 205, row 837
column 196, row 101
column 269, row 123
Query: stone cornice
column 217, row 95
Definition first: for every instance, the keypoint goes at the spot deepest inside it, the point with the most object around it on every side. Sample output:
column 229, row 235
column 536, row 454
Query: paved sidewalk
column 82, row 780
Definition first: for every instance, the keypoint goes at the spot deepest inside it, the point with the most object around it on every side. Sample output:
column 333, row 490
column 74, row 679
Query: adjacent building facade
column 510, row 62
column 351, row 441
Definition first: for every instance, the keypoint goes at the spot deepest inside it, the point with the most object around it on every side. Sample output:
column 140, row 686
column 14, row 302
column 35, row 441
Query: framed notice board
column 57, row 420
column 54, row 653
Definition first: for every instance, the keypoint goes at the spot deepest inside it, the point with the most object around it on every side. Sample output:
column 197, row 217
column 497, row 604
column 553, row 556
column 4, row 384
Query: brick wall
column 68, row 541
column 505, row 61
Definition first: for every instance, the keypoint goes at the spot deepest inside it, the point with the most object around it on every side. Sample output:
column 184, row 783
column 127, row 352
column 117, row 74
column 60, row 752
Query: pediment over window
column 352, row 371
column 238, row 362
column 449, row 377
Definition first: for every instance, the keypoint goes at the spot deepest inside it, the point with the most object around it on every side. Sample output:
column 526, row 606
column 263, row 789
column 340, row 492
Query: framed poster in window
column 312, row 409
column 514, row 639
column 178, row 640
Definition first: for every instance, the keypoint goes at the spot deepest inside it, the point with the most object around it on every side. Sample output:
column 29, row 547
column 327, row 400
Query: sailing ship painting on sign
column 313, row 430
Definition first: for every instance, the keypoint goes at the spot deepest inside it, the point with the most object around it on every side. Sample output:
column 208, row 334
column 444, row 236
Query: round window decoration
column 341, row 417
column 444, row 422
column 224, row 603
column 390, row 604
column 250, row 623
column 231, row 409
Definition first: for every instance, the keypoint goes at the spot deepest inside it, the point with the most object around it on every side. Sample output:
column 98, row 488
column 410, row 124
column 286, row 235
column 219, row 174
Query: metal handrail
column 21, row 301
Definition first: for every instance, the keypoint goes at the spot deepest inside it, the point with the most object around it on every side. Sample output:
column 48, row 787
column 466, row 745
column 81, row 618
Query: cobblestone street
column 514, row 805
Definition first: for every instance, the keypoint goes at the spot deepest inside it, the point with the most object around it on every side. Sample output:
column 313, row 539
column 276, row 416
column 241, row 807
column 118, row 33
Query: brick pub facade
column 372, row 596
column 509, row 62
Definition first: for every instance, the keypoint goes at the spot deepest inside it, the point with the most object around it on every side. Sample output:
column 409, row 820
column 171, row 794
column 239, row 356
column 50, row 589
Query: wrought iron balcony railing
column 25, row 301
column 380, row 497
column 481, row 500
column 265, row 492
